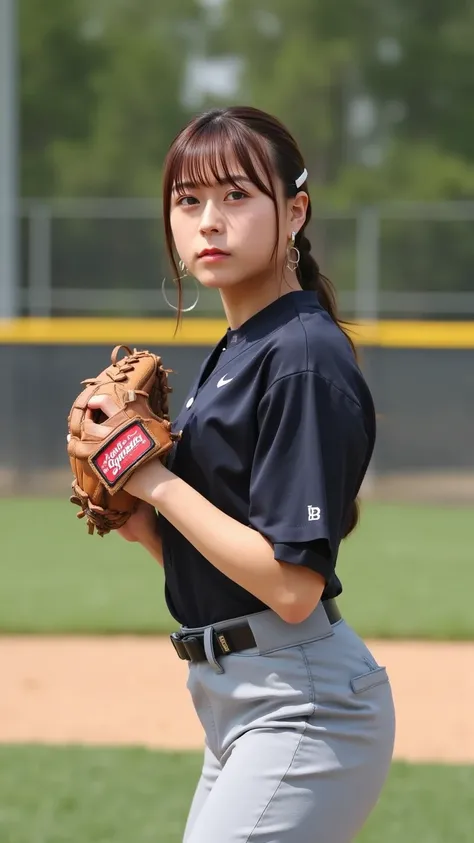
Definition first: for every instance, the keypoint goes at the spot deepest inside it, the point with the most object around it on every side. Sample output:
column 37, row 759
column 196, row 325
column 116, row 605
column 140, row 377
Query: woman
column 277, row 433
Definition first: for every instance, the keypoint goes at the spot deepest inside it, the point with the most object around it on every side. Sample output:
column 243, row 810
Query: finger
column 93, row 431
column 104, row 403
column 98, row 431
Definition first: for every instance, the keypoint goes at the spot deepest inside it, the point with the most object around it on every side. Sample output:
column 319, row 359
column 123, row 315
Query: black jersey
column 278, row 432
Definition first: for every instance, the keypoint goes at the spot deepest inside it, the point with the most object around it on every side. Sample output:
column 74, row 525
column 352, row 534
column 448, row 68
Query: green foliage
column 57, row 97
column 104, row 88
column 139, row 95
column 432, row 78
column 102, row 91
column 378, row 94
column 379, row 97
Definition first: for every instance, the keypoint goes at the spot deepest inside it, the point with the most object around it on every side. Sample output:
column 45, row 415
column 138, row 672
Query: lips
column 212, row 252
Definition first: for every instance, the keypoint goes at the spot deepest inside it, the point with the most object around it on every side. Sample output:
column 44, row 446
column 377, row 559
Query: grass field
column 407, row 572
column 58, row 795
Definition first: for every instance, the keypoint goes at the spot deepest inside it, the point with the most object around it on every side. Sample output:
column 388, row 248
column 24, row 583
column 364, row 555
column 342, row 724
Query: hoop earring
column 292, row 254
column 173, row 306
column 183, row 269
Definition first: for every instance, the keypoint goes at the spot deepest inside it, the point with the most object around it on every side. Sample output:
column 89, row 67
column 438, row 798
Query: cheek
column 258, row 233
column 258, row 246
column 181, row 231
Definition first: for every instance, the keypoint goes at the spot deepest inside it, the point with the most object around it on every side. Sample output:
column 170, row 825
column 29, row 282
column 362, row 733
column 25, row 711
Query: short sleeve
column 311, row 454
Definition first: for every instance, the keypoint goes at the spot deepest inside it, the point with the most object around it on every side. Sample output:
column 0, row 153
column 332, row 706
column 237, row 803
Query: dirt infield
column 132, row 691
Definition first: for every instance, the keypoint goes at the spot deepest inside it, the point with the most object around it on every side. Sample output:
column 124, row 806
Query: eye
column 185, row 201
column 236, row 195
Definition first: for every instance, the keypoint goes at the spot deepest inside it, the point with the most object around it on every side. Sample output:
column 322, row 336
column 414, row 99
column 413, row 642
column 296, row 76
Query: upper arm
column 310, row 453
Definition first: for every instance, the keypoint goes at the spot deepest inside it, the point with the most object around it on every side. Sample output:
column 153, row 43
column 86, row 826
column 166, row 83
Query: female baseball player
column 277, row 432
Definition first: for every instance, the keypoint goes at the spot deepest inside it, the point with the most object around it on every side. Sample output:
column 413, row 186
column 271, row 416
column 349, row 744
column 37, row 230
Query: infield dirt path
column 132, row 691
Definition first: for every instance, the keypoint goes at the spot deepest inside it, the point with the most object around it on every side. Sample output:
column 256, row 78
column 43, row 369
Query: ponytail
column 310, row 278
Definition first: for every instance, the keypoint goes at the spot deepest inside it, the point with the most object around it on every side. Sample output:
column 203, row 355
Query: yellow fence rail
column 140, row 332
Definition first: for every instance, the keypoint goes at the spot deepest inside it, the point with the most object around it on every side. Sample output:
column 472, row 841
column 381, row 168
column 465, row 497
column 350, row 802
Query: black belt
column 230, row 639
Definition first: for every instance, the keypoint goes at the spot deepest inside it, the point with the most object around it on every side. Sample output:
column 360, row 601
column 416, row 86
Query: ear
column 297, row 207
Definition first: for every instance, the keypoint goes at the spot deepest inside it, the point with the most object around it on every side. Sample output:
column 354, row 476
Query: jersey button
column 189, row 402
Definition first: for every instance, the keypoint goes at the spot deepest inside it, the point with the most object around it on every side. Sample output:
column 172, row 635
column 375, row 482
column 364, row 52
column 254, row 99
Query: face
column 226, row 234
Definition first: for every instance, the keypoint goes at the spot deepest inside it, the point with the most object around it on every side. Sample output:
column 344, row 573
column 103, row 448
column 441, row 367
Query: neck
column 244, row 300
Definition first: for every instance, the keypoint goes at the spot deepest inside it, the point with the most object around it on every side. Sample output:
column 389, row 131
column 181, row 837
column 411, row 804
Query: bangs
column 219, row 148
column 219, row 152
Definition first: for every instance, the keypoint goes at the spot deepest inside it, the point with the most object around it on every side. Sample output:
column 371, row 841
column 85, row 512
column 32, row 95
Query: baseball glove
column 139, row 431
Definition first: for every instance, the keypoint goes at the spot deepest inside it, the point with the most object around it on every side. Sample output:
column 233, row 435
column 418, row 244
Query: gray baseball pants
column 299, row 735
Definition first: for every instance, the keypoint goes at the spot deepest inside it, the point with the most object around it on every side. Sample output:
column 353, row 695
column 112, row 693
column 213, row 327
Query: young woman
column 277, row 434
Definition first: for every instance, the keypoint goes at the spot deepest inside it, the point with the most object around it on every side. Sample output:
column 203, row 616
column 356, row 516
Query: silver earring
column 173, row 306
column 292, row 254
column 183, row 269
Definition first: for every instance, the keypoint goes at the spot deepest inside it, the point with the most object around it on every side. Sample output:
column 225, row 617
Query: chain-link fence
column 107, row 258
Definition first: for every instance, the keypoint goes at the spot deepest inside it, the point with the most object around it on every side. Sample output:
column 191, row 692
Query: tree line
column 379, row 93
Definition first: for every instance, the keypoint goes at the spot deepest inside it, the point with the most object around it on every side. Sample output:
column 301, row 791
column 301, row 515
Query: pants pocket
column 365, row 681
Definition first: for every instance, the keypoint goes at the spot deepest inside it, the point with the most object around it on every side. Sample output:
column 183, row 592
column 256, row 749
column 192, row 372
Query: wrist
column 146, row 481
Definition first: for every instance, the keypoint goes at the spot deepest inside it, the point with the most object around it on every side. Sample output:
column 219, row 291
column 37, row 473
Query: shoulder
column 312, row 344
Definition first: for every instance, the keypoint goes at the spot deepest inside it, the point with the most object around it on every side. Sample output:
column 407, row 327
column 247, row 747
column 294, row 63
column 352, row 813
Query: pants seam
column 312, row 692
column 272, row 797
column 212, row 721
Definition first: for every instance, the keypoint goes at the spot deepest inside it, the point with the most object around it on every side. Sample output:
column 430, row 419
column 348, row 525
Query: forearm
column 236, row 550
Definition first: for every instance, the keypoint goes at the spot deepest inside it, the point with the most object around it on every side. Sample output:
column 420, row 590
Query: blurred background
column 379, row 95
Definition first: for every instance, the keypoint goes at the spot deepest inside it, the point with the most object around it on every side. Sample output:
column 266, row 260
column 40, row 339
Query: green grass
column 56, row 578
column 64, row 795
column 407, row 572
column 61, row 795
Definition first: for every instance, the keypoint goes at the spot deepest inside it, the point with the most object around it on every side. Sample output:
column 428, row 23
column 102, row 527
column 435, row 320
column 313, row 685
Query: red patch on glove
column 122, row 452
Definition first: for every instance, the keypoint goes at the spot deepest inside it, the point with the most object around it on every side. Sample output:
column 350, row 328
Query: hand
column 99, row 409
column 144, row 480
column 142, row 525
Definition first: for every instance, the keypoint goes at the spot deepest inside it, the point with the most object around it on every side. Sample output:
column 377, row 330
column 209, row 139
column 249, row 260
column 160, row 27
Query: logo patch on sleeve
column 122, row 452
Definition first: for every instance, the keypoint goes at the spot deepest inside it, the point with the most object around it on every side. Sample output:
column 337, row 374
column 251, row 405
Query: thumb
column 104, row 403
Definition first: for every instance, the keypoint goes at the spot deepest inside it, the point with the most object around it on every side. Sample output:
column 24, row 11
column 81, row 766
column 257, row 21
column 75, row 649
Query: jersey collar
column 273, row 316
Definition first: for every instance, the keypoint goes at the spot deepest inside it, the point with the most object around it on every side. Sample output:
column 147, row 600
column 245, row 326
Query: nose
column 211, row 219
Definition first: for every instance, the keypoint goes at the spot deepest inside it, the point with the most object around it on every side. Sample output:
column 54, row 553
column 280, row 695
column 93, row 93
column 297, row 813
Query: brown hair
column 200, row 152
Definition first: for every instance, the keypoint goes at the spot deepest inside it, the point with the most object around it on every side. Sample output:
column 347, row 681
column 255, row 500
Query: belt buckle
column 189, row 647
column 194, row 648
column 179, row 645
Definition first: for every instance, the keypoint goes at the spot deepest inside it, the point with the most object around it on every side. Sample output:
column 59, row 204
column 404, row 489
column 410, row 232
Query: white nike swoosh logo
column 223, row 381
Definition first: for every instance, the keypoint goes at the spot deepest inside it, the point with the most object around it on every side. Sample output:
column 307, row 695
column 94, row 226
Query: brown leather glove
column 138, row 432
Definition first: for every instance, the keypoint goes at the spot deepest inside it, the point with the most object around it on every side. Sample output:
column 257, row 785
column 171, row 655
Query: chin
column 216, row 280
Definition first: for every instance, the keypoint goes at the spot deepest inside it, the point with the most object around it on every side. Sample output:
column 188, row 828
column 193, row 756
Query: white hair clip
column 302, row 178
